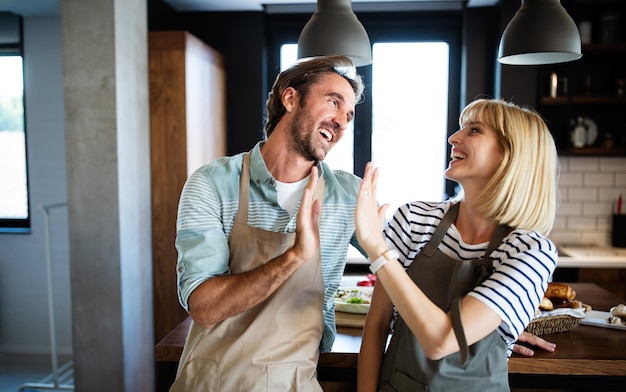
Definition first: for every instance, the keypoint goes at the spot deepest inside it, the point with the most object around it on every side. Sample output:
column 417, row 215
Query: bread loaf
column 546, row 304
column 560, row 291
column 572, row 304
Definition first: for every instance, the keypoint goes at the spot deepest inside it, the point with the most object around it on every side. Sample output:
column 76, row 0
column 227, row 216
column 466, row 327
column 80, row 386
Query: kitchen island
column 586, row 357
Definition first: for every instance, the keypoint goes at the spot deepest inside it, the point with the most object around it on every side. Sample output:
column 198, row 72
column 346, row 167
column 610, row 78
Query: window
column 408, row 113
column 14, row 207
column 411, row 106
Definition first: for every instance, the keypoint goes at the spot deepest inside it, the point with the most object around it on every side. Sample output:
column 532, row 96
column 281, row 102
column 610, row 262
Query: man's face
column 322, row 117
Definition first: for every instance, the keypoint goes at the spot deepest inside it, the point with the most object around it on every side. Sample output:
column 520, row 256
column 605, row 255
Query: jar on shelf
column 608, row 141
column 621, row 82
column 579, row 133
column 610, row 26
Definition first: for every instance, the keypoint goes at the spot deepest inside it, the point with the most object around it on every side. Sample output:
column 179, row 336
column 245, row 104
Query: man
column 259, row 286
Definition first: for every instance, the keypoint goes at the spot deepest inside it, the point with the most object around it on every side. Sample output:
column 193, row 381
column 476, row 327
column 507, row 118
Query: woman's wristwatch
column 383, row 259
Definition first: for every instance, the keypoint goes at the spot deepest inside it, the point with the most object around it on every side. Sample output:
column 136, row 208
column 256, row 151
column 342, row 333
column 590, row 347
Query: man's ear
column 289, row 98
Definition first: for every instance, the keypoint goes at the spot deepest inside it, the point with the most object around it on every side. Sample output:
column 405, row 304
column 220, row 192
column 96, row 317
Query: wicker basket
column 552, row 324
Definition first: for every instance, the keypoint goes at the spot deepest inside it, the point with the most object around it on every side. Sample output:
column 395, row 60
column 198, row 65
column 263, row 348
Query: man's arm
column 223, row 296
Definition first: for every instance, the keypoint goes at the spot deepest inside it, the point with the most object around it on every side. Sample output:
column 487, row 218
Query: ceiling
column 259, row 5
column 52, row 7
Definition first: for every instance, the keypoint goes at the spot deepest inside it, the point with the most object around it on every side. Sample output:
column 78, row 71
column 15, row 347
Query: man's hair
column 301, row 76
column 523, row 191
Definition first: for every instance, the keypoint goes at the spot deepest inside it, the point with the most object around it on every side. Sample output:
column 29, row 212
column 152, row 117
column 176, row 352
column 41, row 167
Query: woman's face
column 476, row 154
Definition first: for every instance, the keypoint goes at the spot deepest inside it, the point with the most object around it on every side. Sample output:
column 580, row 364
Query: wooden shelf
column 584, row 100
column 604, row 48
column 591, row 151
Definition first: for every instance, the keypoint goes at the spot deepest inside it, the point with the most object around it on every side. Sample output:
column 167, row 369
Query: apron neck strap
column 447, row 220
column 244, row 190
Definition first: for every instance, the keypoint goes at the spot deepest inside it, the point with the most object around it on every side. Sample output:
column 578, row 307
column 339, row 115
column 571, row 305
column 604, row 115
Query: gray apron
column 272, row 347
column 479, row 367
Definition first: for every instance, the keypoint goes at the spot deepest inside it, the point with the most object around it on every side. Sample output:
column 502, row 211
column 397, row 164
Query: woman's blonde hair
column 523, row 191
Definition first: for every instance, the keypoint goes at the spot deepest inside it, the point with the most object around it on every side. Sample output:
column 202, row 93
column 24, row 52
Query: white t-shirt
column 289, row 193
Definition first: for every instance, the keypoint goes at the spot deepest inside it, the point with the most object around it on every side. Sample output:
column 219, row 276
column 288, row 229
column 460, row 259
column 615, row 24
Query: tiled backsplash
column 589, row 189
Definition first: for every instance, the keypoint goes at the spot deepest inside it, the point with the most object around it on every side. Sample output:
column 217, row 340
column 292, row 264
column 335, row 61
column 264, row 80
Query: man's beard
column 306, row 143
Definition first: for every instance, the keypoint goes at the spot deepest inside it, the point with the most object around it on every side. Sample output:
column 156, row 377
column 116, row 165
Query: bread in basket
column 558, row 311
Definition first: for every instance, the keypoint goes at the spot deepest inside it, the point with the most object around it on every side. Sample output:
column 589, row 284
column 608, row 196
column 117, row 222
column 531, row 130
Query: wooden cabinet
column 187, row 130
column 610, row 279
column 592, row 88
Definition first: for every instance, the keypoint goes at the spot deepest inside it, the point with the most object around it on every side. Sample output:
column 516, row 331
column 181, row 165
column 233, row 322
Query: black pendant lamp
column 541, row 32
column 335, row 30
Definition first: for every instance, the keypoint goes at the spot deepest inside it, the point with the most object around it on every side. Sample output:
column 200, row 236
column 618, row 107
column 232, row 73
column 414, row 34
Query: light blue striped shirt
column 207, row 210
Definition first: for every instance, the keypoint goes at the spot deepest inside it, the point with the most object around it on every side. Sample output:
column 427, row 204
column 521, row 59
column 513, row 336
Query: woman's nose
column 454, row 138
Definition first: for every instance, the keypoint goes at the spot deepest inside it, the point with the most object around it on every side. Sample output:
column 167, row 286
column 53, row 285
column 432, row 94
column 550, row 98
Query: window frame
column 14, row 47
column 443, row 26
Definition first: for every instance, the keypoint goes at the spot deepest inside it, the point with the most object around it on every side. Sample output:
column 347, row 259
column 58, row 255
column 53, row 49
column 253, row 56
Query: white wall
column 589, row 188
column 24, row 325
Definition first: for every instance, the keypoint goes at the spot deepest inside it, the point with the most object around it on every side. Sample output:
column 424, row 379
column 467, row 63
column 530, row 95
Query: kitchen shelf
column 593, row 151
column 592, row 87
column 583, row 100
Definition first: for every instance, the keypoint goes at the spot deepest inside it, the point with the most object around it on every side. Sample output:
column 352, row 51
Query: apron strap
column 450, row 216
column 484, row 270
column 244, row 190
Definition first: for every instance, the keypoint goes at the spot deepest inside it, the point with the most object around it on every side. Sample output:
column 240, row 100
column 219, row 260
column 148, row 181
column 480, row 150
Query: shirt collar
column 259, row 173
column 258, row 170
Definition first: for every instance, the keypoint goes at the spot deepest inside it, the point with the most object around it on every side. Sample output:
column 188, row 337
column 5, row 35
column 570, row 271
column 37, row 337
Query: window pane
column 14, row 200
column 340, row 156
column 409, row 120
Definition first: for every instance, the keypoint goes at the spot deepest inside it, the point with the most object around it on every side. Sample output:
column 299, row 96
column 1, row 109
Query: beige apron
column 273, row 346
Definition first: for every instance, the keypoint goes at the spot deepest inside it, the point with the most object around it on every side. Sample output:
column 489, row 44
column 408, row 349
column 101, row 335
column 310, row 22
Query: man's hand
column 307, row 224
column 533, row 340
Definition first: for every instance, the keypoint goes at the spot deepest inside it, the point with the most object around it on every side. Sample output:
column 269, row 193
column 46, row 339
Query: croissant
column 546, row 304
column 561, row 291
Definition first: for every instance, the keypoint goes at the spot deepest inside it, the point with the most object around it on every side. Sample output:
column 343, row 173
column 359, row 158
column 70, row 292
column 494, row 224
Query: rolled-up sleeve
column 200, row 238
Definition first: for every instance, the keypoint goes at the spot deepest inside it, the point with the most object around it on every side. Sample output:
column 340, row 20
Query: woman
column 471, row 271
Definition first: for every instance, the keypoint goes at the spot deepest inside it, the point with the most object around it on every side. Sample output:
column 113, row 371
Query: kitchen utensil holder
column 618, row 231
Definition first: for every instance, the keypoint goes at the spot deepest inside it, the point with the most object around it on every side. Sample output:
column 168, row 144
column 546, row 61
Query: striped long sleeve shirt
column 523, row 263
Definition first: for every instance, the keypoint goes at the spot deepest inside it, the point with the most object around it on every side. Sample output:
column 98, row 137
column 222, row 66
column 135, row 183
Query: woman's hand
column 534, row 340
column 369, row 218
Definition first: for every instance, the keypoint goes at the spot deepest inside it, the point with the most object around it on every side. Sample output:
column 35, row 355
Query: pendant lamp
column 541, row 32
column 335, row 30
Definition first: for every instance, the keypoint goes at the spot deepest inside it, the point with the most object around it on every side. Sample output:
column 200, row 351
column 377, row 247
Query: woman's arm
column 375, row 335
column 432, row 326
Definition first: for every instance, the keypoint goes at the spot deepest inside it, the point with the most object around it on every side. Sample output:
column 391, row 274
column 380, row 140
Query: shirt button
column 258, row 181
column 272, row 182
column 274, row 205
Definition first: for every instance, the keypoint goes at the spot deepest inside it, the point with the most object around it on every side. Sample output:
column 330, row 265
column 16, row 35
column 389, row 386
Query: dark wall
column 514, row 83
column 241, row 37
column 479, row 51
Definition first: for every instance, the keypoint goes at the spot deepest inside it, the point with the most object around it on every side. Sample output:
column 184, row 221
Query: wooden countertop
column 584, row 351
